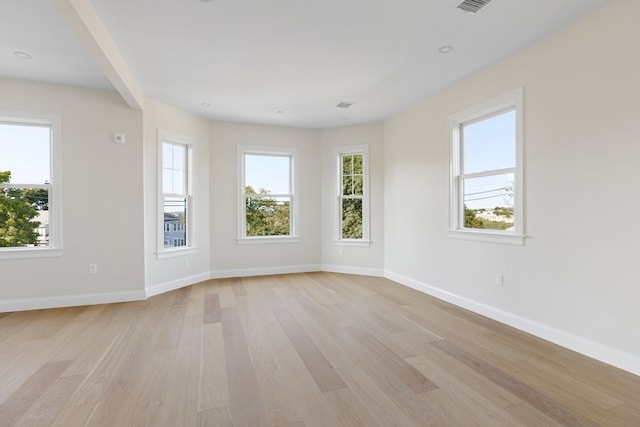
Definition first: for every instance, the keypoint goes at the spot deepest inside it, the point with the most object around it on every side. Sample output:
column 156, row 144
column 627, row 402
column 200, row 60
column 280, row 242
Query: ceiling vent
column 473, row 5
column 344, row 104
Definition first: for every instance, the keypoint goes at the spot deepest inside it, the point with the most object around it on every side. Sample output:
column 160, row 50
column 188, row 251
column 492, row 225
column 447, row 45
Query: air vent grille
column 344, row 104
column 473, row 5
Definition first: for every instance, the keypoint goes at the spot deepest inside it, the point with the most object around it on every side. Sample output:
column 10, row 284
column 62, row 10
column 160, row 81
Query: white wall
column 577, row 278
column 171, row 273
column 228, row 258
column 101, row 209
column 351, row 259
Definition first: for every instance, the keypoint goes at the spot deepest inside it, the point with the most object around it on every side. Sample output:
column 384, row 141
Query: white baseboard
column 69, row 300
column 609, row 355
column 172, row 285
column 264, row 271
column 345, row 269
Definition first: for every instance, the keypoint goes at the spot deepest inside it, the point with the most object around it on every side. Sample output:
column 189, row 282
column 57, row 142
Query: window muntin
column 352, row 205
column 487, row 171
column 30, row 205
column 267, row 198
column 176, row 204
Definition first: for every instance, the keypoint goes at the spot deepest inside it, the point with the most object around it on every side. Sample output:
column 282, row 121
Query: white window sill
column 171, row 253
column 488, row 236
column 266, row 240
column 352, row 242
column 23, row 253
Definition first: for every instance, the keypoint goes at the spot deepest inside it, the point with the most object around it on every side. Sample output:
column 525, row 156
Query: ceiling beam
column 83, row 18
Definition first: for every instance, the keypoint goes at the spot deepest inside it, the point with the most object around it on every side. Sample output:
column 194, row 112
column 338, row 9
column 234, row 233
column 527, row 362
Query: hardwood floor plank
column 239, row 290
column 247, row 408
column 530, row 416
column 19, row 402
column 216, row 417
column 544, row 404
column 319, row 367
column 213, row 384
column 376, row 401
column 272, row 380
column 211, row 309
column 441, row 363
column 324, row 340
column 349, row 412
column 394, row 363
column 79, row 416
column 46, row 409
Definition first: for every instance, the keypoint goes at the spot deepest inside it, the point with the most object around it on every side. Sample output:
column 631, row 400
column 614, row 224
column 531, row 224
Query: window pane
column 268, row 174
column 178, row 183
column 347, row 164
column 490, row 144
column 351, row 218
column 175, row 220
column 347, row 185
column 179, row 157
column 488, row 202
column 25, row 152
column 167, row 181
column 357, row 164
column 167, row 155
column 24, row 216
column 268, row 216
column 174, row 168
column 357, row 185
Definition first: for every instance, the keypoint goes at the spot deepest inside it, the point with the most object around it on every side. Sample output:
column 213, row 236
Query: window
column 267, row 205
column 352, row 201
column 30, row 205
column 486, row 173
column 176, row 223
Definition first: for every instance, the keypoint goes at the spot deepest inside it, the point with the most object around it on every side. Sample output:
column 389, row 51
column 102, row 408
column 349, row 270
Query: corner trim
column 604, row 353
column 172, row 285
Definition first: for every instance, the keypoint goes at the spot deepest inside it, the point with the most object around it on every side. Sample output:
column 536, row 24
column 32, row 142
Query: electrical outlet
column 93, row 268
column 499, row 279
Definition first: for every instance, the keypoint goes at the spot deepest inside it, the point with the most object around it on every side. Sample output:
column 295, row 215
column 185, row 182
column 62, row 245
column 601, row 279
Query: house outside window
column 486, row 173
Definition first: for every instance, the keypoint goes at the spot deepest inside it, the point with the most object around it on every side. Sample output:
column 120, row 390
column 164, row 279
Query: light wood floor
column 317, row 349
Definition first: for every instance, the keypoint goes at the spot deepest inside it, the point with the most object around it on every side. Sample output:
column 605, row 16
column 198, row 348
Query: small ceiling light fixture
column 206, row 105
column 280, row 112
column 22, row 55
column 445, row 49
column 344, row 104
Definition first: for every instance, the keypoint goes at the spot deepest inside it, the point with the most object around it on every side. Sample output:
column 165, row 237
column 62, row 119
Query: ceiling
column 281, row 62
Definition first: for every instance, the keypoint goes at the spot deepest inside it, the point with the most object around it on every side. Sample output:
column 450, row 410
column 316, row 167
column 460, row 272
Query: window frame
column 512, row 100
column 292, row 153
column 54, row 122
column 191, row 241
column 339, row 152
